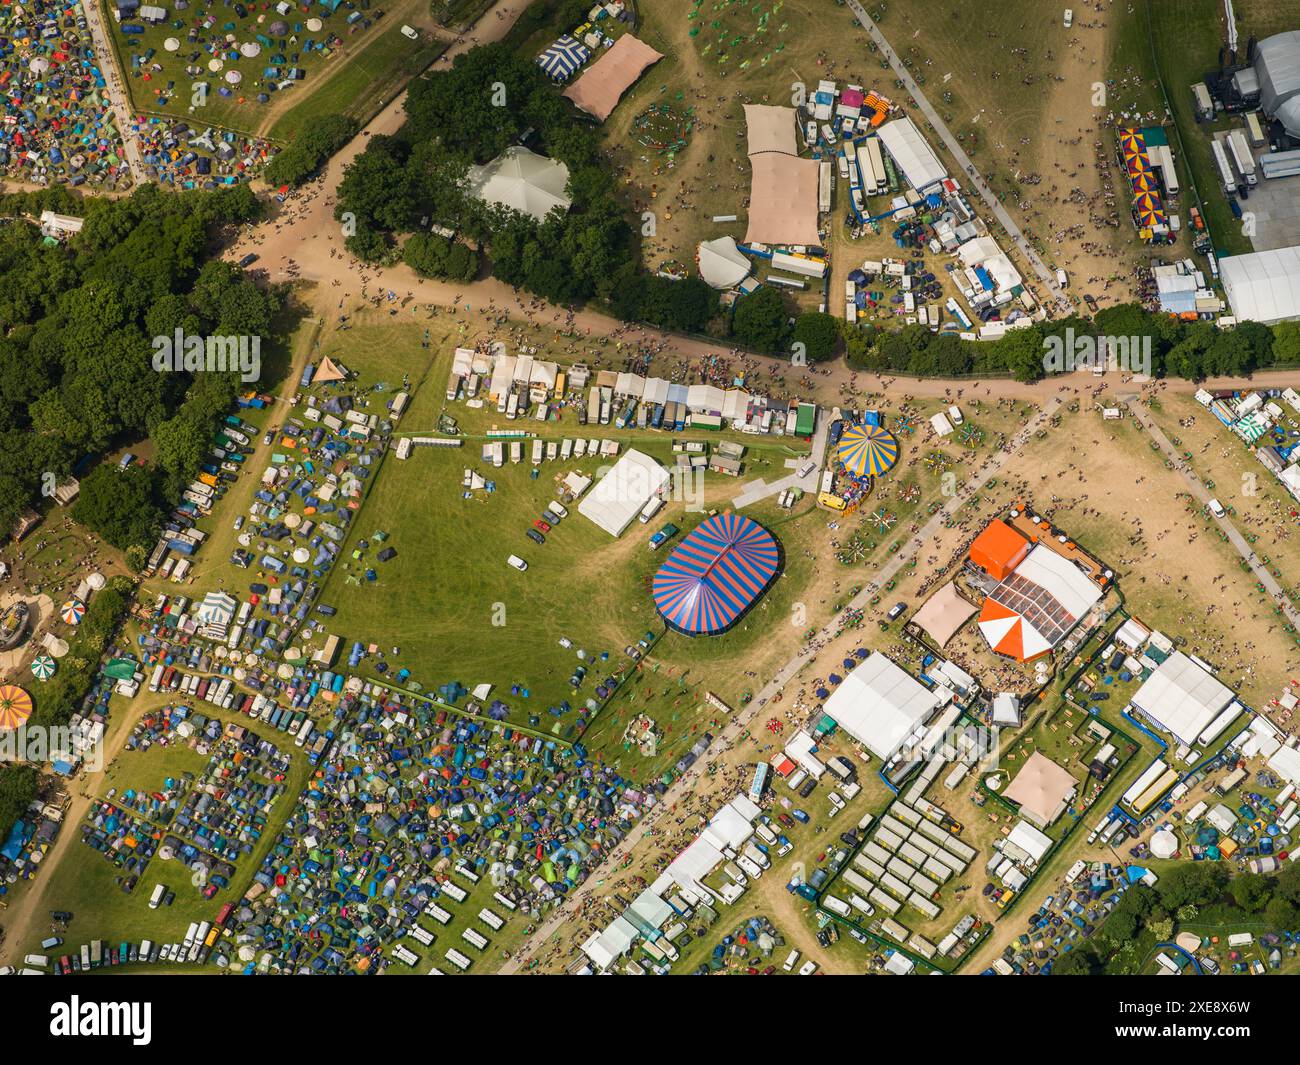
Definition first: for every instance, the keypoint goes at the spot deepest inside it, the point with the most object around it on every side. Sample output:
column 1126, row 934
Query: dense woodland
column 77, row 322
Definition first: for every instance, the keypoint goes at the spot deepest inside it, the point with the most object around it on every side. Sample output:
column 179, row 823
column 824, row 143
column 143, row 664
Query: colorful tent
column 43, row 667
column 15, row 706
column 73, row 611
column 715, row 574
column 563, row 57
column 867, row 450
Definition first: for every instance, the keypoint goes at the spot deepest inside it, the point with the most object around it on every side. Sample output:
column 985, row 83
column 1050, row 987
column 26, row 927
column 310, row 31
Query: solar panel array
column 1036, row 605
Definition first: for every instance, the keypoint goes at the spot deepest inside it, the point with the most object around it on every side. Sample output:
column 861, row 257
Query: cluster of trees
column 431, row 255
column 319, row 138
column 1181, row 896
column 77, row 329
column 687, row 306
column 18, row 783
column 61, row 696
column 1191, row 350
column 465, row 116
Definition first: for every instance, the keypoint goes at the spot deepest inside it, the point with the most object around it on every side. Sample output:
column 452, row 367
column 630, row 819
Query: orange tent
column 999, row 549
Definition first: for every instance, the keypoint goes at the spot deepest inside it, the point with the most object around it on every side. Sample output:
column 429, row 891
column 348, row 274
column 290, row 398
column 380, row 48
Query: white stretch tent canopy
column 880, row 705
column 619, row 496
column 1182, row 698
column 523, row 181
column 1263, row 286
column 914, row 156
column 722, row 264
column 1034, row 608
column 1042, row 788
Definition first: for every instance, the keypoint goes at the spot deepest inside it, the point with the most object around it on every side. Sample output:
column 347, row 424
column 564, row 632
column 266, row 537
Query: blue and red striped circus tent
column 715, row 574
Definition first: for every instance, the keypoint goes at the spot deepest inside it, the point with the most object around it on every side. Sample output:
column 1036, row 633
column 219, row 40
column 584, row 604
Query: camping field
column 347, row 68
column 85, row 883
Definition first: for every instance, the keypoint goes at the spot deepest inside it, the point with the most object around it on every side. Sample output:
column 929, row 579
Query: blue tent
column 563, row 57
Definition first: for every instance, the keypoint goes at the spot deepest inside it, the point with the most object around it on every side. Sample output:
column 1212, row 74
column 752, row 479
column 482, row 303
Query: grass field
column 1186, row 38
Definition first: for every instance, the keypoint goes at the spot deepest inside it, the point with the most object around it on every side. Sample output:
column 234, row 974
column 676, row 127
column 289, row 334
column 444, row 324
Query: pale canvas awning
column 603, row 84
column 1042, row 788
column 722, row 264
column 944, row 613
column 783, row 200
column 770, row 129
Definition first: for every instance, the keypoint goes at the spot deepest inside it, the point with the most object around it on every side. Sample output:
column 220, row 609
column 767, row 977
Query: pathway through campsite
column 688, row 781
column 115, row 90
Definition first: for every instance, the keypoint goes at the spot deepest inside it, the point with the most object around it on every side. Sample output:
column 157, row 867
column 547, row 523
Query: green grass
column 1185, row 37
column 372, row 77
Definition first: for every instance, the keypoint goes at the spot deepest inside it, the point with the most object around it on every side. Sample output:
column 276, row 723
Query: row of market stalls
column 1148, row 164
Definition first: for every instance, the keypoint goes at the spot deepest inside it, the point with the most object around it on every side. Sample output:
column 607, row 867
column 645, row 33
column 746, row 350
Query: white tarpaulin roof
column 735, row 404
column 913, row 155
column 1263, row 286
column 655, row 390
column 1286, row 764
column 523, row 181
column 705, row 399
column 1182, row 697
column 880, row 704
column 1030, row 840
column 629, row 384
column 604, row 948
column 984, row 251
column 722, row 264
column 1277, row 62
column 619, row 496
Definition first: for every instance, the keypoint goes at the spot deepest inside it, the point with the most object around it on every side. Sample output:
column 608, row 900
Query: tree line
column 1195, row 891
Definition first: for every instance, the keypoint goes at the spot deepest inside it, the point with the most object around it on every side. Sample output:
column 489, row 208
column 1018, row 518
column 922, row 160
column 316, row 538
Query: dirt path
column 115, row 89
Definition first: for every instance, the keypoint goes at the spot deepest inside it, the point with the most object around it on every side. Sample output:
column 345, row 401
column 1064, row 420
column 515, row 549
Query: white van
column 518, row 563
column 558, row 510
column 791, row 960
column 39, row 961
column 155, row 900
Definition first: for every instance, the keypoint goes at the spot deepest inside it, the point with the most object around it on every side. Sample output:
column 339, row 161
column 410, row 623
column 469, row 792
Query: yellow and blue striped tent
column 867, row 450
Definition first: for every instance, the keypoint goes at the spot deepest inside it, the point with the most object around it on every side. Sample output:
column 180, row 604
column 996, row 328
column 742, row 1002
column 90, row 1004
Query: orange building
column 999, row 549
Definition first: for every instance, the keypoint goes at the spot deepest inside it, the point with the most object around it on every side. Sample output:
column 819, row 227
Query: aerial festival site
column 696, row 488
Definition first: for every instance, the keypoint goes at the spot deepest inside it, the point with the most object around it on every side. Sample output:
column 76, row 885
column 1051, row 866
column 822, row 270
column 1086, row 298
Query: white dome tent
column 722, row 264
